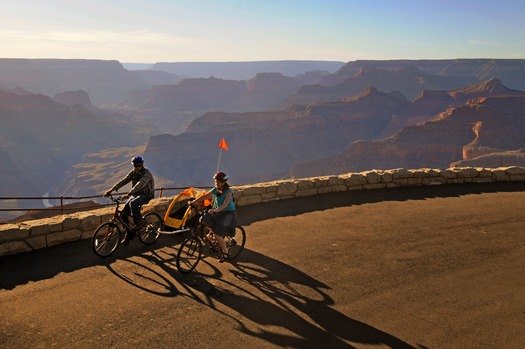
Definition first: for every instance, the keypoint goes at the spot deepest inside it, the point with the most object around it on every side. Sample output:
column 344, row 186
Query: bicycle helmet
column 221, row 176
column 137, row 160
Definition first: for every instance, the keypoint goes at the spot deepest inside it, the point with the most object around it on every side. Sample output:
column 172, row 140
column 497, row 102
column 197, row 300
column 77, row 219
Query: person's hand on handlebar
column 108, row 193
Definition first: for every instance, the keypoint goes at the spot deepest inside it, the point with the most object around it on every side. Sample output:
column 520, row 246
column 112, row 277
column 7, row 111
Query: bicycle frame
column 117, row 215
column 202, row 231
column 190, row 250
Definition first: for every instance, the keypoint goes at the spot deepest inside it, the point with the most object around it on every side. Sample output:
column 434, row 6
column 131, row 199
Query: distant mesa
column 280, row 118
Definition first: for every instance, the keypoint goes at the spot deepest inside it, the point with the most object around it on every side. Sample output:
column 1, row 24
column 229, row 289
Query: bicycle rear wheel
column 189, row 255
column 150, row 233
column 106, row 239
column 236, row 244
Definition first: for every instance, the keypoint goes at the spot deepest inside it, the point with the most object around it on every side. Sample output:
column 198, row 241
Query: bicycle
column 108, row 236
column 190, row 251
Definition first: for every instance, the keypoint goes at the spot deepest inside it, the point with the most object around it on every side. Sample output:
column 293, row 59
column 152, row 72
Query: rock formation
column 482, row 126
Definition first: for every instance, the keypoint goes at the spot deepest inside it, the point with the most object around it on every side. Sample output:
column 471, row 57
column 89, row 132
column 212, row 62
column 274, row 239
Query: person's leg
column 126, row 211
column 136, row 204
column 223, row 222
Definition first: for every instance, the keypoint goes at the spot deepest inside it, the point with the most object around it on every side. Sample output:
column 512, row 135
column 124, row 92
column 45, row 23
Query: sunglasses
column 137, row 165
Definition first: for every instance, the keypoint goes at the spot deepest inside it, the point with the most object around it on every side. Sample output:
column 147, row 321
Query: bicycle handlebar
column 116, row 200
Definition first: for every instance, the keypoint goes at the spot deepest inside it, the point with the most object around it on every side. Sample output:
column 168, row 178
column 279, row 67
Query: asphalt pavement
column 420, row 267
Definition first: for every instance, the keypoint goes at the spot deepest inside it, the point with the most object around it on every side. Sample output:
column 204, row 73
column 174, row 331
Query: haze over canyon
column 69, row 127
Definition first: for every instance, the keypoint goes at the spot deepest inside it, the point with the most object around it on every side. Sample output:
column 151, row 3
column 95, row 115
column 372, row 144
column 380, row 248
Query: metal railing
column 61, row 207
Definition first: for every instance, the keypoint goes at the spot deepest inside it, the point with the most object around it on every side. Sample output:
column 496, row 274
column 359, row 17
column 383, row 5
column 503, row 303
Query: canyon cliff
column 483, row 131
column 366, row 114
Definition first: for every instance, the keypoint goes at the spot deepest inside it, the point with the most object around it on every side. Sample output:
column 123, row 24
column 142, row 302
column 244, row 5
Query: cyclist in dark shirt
column 142, row 191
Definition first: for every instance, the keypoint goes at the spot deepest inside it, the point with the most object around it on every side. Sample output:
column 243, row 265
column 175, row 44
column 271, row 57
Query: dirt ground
column 426, row 267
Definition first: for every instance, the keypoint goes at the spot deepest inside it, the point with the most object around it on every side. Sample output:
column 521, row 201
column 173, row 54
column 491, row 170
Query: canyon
column 69, row 127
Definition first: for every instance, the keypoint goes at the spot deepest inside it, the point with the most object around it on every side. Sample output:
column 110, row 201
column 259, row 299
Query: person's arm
column 208, row 195
column 120, row 184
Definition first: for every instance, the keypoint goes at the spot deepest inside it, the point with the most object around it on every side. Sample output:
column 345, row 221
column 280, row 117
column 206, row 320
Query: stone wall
column 37, row 234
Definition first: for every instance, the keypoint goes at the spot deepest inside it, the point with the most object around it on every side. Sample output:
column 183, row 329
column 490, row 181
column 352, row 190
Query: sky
column 149, row 31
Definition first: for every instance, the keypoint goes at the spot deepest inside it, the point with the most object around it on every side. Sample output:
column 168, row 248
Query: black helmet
column 221, row 176
column 137, row 160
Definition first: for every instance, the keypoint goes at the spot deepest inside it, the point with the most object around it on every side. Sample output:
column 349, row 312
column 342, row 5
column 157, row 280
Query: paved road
column 433, row 267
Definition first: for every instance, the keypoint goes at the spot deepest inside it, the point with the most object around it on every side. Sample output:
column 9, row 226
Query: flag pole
column 222, row 145
column 218, row 163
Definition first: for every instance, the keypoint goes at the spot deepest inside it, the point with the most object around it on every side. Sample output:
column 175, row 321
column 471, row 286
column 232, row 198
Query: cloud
column 89, row 44
column 476, row 42
column 93, row 36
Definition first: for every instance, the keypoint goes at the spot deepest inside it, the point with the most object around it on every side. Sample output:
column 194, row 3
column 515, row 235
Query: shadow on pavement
column 271, row 294
column 286, row 298
column 46, row 263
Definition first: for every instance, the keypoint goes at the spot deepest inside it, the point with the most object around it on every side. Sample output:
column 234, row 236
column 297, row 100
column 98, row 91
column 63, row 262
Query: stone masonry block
column 433, row 181
column 448, row 174
column 517, row 178
column 13, row 232
column 269, row 196
column 307, row 192
column 90, row 222
column 249, row 200
column 374, row 186
column 63, row 236
column 421, row 173
column 416, row 181
column 372, row 177
column 339, row 188
column 467, row 172
column 44, row 227
column 70, row 222
column 320, row 182
column 387, row 177
column 431, row 172
column 500, row 176
column 14, row 247
column 305, row 184
column 455, row 181
column 402, row 182
column 355, row 179
column 484, row 173
column 511, row 171
column 402, row 173
column 286, row 189
column 253, row 191
column 37, row 242
column 335, row 181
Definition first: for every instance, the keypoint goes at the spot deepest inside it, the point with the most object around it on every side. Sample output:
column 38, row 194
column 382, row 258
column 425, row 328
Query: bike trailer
column 179, row 214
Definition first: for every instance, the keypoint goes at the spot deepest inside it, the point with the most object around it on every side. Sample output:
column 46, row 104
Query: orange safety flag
column 223, row 144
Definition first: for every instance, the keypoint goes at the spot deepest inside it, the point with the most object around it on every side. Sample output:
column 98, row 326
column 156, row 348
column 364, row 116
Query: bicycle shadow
column 49, row 262
column 267, row 295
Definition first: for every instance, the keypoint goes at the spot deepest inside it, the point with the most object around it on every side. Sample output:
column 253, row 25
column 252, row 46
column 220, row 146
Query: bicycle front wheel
column 189, row 254
column 150, row 233
column 106, row 239
column 236, row 243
